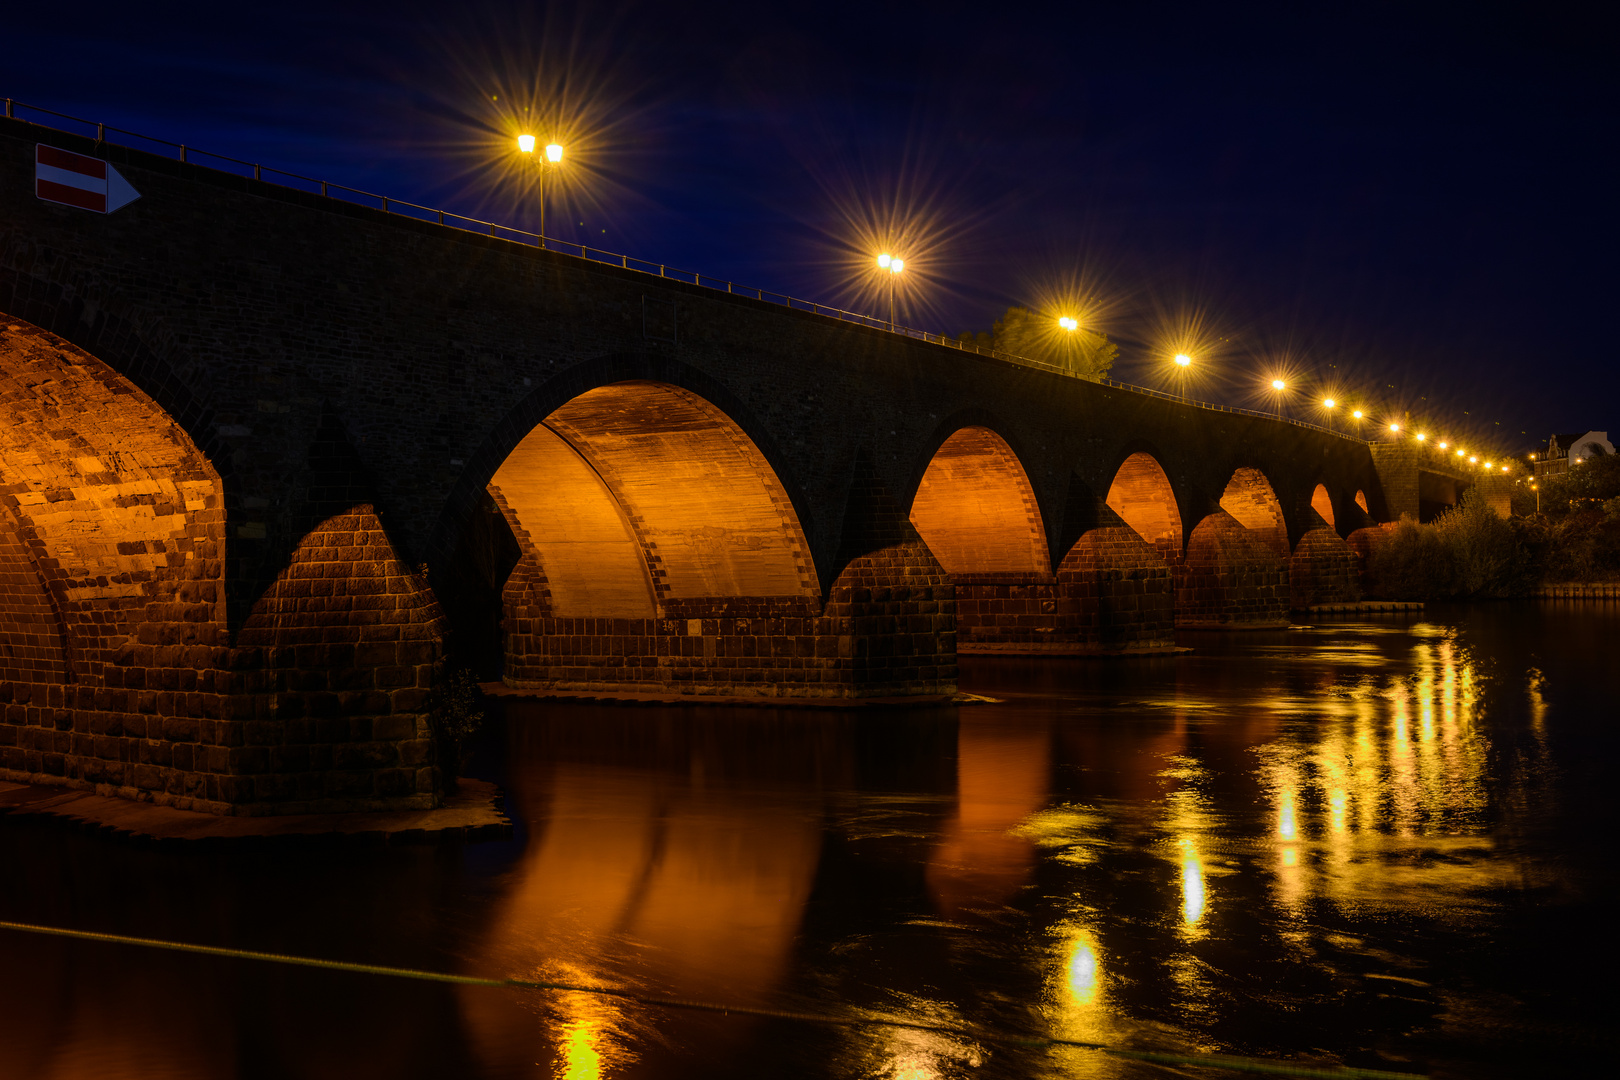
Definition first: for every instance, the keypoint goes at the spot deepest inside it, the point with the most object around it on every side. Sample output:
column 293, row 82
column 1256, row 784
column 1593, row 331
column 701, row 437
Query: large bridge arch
column 119, row 516
column 1140, row 494
column 1250, row 498
column 112, row 538
column 461, row 507
column 658, row 548
column 975, row 509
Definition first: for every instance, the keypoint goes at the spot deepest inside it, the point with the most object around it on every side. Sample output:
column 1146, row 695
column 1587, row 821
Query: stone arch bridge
column 266, row 459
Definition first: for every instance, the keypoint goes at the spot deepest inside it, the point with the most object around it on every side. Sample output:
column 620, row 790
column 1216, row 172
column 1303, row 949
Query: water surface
column 1379, row 843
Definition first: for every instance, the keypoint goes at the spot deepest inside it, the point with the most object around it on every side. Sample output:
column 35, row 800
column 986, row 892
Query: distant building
column 1571, row 448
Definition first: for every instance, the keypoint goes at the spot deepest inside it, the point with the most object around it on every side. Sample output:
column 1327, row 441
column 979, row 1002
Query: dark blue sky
column 1414, row 204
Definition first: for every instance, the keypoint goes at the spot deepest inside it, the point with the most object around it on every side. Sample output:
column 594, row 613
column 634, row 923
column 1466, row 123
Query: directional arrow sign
column 61, row 176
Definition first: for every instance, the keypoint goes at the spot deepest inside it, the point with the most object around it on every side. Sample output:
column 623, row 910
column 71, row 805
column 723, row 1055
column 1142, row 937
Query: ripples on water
column 1379, row 844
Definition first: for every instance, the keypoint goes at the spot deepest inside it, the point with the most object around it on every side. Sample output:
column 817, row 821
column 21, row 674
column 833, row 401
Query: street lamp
column 1277, row 387
column 893, row 266
column 1071, row 325
column 553, row 156
column 1328, row 403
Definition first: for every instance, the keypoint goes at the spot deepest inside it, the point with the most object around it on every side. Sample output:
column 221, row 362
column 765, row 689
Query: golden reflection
column 1192, row 883
column 987, row 851
column 908, row 1054
column 1078, row 1005
column 1082, row 969
column 1189, row 820
column 645, row 878
column 1538, row 704
column 580, row 1043
column 1397, row 769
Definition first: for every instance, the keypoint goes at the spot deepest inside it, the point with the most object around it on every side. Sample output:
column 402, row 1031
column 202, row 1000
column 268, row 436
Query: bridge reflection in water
column 1102, row 842
column 1291, row 844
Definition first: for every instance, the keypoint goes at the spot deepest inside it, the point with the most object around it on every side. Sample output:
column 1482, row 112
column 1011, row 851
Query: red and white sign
column 61, row 176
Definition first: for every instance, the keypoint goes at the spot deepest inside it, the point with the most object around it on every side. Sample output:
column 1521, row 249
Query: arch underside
column 1142, row 497
column 659, row 549
column 1250, row 499
column 111, row 562
column 976, row 511
column 1322, row 503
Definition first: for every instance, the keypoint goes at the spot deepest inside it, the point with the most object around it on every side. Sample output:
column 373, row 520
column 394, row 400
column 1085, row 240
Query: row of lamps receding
column 895, row 266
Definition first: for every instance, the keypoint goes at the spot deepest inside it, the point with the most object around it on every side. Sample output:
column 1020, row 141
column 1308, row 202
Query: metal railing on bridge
column 268, row 174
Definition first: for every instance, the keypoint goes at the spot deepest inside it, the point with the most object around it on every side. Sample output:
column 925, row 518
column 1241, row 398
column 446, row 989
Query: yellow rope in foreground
column 1210, row 1061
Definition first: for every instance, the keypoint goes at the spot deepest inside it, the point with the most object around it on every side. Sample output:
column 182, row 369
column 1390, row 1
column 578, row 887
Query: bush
column 1413, row 564
column 1583, row 545
column 456, row 718
column 1488, row 559
column 1467, row 552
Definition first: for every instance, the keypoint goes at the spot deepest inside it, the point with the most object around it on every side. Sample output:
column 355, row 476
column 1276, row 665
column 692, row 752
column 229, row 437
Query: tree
column 1021, row 332
column 1597, row 478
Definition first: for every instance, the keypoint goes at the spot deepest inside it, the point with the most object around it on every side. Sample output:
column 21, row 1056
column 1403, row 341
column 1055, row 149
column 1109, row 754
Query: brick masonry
column 116, row 669
column 1324, row 569
column 1229, row 577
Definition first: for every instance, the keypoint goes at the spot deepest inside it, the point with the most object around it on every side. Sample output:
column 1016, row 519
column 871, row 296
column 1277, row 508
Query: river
column 1382, row 843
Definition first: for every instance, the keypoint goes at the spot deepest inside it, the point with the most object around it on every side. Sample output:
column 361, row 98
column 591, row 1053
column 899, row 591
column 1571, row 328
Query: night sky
column 1408, row 206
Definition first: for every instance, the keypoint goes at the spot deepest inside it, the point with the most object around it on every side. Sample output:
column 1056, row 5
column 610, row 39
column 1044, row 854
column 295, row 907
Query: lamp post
column 553, row 156
column 1328, row 403
column 1070, row 324
column 1277, row 388
column 893, row 266
column 1184, row 362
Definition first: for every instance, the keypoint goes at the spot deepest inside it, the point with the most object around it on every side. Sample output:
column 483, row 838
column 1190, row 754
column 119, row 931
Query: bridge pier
column 1230, row 579
column 1323, row 570
column 1122, row 588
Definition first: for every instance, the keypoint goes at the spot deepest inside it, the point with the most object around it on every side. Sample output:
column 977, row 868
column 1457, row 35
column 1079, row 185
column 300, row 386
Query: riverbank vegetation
column 1470, row 552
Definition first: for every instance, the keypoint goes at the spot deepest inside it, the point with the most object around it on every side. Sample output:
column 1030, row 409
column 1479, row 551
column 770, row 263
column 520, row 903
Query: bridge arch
column 1323, row 568
column 1250, row 499
column 977, row 513
column 636, row 496
column 976, row 510
column 112, row 538
column 658, row 550
column 1141, row 494
column 470, row 491
column 1322, row 503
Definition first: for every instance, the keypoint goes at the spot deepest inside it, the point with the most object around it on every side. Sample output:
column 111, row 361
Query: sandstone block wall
column 1230, row 577
column 1123, row 589
column 117, row 669
column 887, row 629
column 335, row 669
column 1324, row 570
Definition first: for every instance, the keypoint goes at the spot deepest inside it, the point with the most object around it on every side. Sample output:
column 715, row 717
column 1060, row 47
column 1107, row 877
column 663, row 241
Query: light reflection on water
column 1310, row 844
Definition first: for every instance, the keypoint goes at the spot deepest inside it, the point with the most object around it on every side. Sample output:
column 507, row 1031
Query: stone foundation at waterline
column 887, row 629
